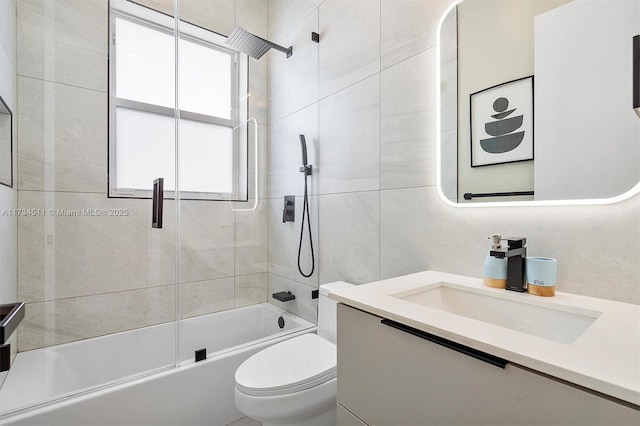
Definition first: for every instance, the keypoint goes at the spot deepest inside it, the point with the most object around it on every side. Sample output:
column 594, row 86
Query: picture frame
column 502, row 119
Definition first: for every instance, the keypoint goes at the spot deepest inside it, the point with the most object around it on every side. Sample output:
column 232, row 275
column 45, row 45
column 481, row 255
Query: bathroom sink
column 560, row 324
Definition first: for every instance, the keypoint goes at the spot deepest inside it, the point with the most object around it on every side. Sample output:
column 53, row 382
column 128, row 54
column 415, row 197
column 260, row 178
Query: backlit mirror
column 536, row 100
column 6, row 158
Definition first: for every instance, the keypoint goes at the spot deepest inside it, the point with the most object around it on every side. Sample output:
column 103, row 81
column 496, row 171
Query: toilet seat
column 288, row 367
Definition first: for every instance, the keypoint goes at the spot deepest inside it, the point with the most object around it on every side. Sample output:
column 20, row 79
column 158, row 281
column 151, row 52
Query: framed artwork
column 502, row 123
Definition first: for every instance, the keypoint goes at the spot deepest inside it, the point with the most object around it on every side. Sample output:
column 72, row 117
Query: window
column 212, row 149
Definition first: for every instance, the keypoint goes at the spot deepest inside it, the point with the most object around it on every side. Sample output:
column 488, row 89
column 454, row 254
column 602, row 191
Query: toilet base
column 326, row 418
column 311, row 407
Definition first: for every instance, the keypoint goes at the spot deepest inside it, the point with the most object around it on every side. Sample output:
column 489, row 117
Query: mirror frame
column 10, row 113
column 577, row 202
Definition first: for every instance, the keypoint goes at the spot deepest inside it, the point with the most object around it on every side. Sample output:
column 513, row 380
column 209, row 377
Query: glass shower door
column 99, row 281
column 222, row 172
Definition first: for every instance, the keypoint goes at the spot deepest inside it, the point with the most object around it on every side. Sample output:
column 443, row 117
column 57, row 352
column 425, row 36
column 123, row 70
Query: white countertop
column 605, row 358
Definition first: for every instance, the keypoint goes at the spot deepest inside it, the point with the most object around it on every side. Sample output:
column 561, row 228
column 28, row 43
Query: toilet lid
column 290, row 366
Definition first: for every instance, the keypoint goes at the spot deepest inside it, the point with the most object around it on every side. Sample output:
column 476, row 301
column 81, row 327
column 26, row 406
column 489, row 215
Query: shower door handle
column 158, row 202
column 636, row 74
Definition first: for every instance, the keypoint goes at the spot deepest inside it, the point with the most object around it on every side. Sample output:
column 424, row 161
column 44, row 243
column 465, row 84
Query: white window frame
column 141, row 15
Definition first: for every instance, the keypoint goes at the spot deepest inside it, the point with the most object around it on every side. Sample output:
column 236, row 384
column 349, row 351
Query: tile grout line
column 380, row 140
column 235, row 213
column 267, row 153
column 319, row 260
column 325, row 97
column 45, row 80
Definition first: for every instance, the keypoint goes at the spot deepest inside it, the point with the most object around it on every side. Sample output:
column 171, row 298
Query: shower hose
column 305, row 210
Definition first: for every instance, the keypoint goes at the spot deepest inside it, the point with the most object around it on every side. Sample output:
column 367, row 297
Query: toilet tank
column 327, row 321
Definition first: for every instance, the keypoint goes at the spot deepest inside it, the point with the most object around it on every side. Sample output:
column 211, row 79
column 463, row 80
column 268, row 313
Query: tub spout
column 283, row 296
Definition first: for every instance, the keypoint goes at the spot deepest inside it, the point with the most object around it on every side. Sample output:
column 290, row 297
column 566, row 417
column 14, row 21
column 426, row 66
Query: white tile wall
column 284, row 241
column 64, row 41
column 205, row 297
column 285, row 158
column 349, row 131
column 69, row 256
column 206, row 240
column 8, row 248
column 252, row 16
column 258, row 90
column 303, row 305
column 164, row 6
column 349, row 230
column 251, row 240
column 293, row 81
column 214, row 15
column 8, row 31
column 74, row 121
column 408, row 143
column 408, row 28
column 8, row 53
column 349, row 43
column 596, row 246
column 284, row 15
column 405, row 218
column 250, row 289
column 161, row 246
column 8, row 81
column 66, row 320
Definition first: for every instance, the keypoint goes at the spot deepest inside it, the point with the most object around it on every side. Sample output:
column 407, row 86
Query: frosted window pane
column 206, row 157
column 145, row 64
column 205, row 80
column 145, row 149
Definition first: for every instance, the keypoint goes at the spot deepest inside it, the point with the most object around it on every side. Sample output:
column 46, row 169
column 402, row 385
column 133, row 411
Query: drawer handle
column 482, row 356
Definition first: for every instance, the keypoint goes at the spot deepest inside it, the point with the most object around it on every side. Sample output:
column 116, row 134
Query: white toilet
column 294, row 382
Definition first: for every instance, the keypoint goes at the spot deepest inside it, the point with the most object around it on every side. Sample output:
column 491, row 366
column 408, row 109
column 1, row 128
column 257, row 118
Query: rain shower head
column 253, row 45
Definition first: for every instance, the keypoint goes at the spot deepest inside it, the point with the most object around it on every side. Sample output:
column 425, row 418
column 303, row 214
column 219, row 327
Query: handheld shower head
column 306, row 168
column 253, row 45
column 303, row 143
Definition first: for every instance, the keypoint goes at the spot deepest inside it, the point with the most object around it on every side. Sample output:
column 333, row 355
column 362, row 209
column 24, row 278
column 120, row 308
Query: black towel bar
column 469, row 195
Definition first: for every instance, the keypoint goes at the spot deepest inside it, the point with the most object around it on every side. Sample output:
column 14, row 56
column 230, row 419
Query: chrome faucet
column 516, row 255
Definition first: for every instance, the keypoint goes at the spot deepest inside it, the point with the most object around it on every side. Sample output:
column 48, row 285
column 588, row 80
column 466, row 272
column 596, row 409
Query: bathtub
column 84, row 382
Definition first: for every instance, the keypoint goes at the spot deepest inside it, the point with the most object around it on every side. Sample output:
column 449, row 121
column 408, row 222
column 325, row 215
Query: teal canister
column 495, row 270
column 542, row 273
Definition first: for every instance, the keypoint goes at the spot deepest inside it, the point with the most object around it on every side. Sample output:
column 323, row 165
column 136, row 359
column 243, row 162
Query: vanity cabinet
column 388, row 376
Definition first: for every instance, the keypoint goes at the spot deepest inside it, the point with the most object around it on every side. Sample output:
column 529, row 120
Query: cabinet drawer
column 387, row 376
